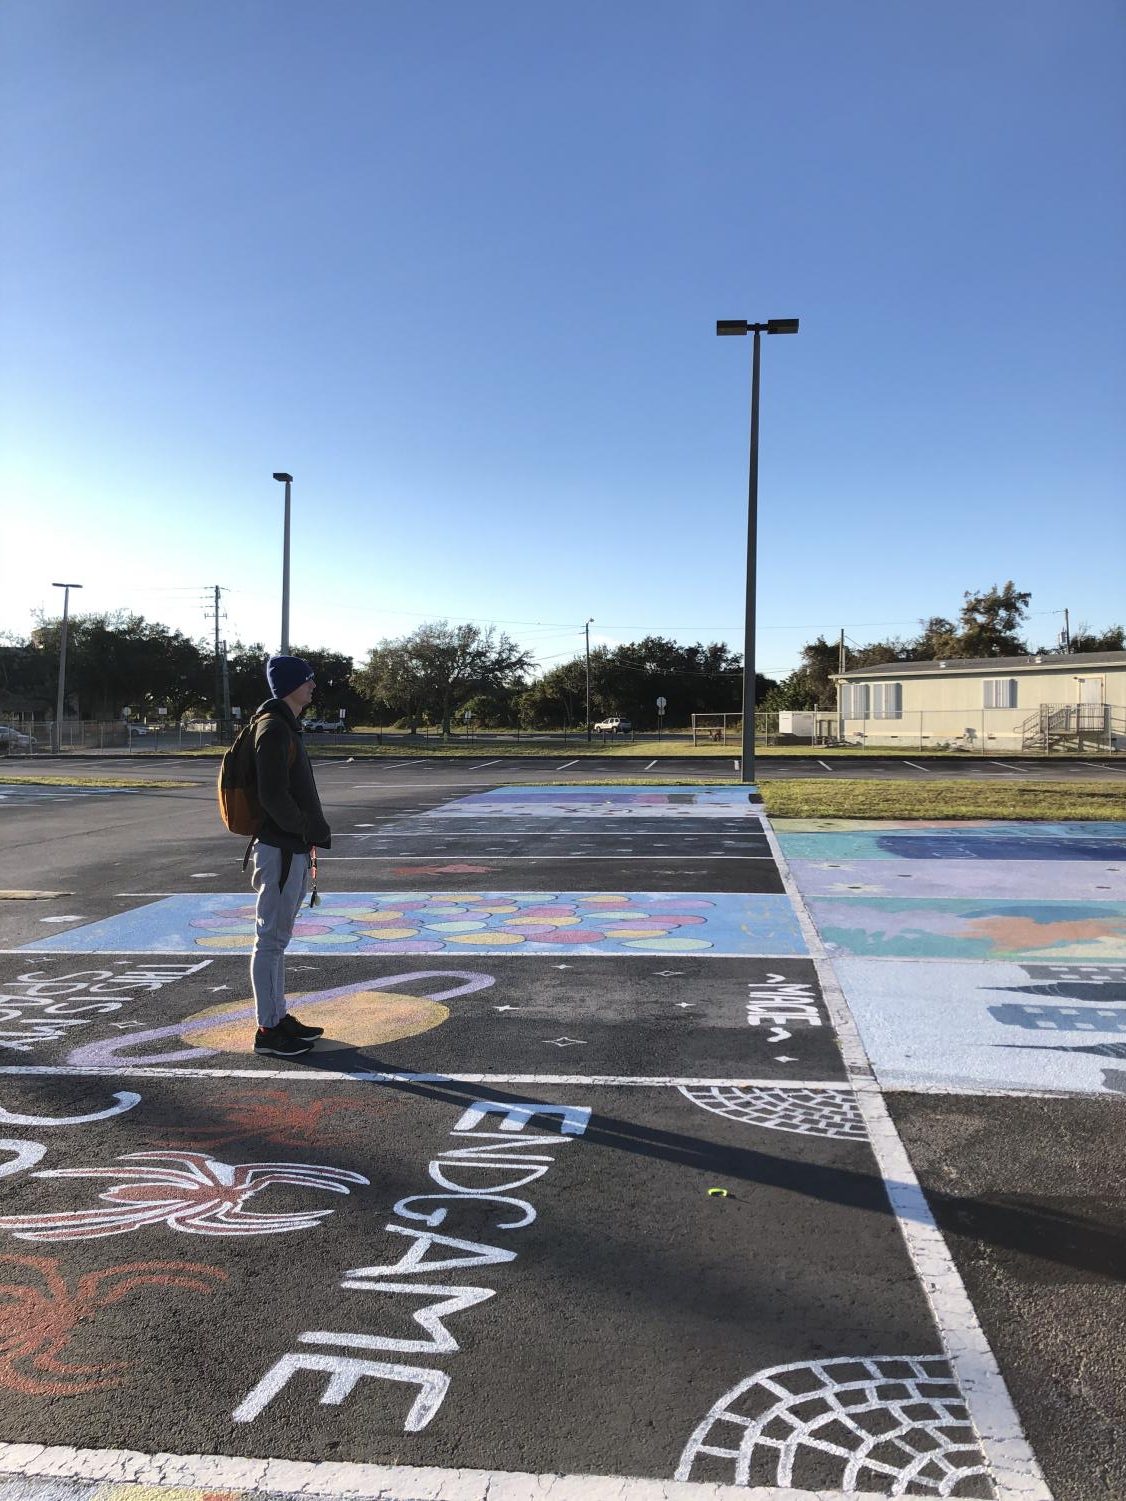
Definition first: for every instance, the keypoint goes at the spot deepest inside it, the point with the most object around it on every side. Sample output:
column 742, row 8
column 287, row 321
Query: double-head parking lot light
column 738, row 326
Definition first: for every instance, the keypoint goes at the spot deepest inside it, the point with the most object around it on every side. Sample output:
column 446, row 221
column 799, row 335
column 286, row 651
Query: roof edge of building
column 955, row 665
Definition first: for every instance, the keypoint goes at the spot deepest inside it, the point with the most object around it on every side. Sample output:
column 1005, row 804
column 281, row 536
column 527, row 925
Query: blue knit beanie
column 284, row 674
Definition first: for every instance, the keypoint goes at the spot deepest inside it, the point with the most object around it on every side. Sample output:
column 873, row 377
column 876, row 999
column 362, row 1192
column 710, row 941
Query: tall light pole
column 586, row 628
column 56, row 741
column 288, row 480
column 741, row 326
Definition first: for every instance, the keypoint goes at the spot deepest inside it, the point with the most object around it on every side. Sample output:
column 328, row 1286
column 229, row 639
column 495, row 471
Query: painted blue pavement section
column 462, row 923
column 975, row 956
column 973, row 1027
column 959, row 841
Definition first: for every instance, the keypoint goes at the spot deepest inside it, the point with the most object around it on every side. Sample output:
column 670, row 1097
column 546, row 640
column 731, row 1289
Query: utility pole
column 1066, row 632
column 586, row 628
column 56, row 741
column 216, row 610
column 218, row 667
column 840, row 688
column 226, row 693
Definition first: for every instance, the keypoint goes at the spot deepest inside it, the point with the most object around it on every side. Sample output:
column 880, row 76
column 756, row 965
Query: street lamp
column 56, row 741
column 586, row 628
column 728, row 326
column 288, row 480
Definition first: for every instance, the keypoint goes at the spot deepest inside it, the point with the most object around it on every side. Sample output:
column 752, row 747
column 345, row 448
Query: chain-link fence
column 26, row 736
column 1049, row 729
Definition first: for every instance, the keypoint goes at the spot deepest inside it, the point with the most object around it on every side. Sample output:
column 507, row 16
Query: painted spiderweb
column 831, row 1112
column 895, row 1425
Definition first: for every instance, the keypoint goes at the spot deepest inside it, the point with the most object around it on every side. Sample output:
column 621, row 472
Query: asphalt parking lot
column 590, row 1176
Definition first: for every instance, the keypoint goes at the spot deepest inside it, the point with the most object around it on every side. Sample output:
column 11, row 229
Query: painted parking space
column 991, row 1026
column 512, row 1281
column 716, row 1019
column 606, row 802
column 458, row 922
column 974, row 957
column 845, row 840
column 637, row 1334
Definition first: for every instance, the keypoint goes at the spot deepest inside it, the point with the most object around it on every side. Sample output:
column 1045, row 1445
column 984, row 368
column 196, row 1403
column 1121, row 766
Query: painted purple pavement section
column 1080, row 880
column 975, row 957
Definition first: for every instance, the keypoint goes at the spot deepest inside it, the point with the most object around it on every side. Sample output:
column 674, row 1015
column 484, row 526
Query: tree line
column 432, row 677
column 440, row 672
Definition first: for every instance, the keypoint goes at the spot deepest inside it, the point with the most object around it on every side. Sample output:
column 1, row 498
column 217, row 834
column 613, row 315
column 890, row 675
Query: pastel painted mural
column 1078, row 880
column 949, row 928
column 465, row 923
column 1007, row 1026
column 604, row 802
column 845, row 840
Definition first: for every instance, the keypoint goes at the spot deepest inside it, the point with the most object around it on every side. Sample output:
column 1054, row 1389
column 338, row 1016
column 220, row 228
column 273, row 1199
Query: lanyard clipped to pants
column 313, row 898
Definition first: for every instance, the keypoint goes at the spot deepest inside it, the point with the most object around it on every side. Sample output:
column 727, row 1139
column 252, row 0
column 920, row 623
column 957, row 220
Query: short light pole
column 56, row 737
column 725, row 326
column 586, row 628
column 288, row 481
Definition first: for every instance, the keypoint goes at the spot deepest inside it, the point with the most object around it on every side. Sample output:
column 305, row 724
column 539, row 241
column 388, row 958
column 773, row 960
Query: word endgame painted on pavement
column 498, row 1152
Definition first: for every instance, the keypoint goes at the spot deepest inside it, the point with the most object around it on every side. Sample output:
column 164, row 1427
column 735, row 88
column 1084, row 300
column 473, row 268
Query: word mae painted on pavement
column 782, row 1004
column 343, row 1356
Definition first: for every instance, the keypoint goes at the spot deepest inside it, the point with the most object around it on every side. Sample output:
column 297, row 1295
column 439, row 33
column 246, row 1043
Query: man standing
column 292, row 825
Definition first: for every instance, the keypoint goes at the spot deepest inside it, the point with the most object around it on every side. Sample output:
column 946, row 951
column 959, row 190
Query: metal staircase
column 1073, row 727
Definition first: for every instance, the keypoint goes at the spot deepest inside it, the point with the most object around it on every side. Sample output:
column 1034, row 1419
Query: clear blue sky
column 457, row 267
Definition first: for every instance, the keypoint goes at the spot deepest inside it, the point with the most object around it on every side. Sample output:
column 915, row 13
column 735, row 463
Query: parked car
column 323, row 726
column 136, row 729
column 613, row 726
column 12, row 739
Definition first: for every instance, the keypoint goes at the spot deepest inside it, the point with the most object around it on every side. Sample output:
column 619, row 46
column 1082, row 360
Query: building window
column 1000, row 693
column 854, row 700
column 887, row 700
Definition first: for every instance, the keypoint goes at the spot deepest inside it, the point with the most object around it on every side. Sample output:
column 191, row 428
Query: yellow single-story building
column 1053, row 701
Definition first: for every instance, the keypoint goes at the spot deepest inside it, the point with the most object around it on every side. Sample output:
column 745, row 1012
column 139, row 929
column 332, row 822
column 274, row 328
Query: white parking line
column 924, row 769
column 650, row 766
column 484, row 764
column 360, row 1076
column 619, row 833
column 1007, row 766
column 445, row 855
column 481, row 782
column 1014, row 1467
column 826, row 765
column 566, row 764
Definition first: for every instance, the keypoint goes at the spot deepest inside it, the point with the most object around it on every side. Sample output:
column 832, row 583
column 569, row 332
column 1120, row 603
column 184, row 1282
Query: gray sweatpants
column 274, row 916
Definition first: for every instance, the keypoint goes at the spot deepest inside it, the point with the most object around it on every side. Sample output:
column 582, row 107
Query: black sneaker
column 277, row 1040
column 295, row 1028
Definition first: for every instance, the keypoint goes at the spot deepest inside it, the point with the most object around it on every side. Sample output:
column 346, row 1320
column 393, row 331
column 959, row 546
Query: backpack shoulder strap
column 261, row 714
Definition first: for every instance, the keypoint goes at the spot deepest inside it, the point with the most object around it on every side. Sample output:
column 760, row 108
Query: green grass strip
column 78, row 781
column 846, row 797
